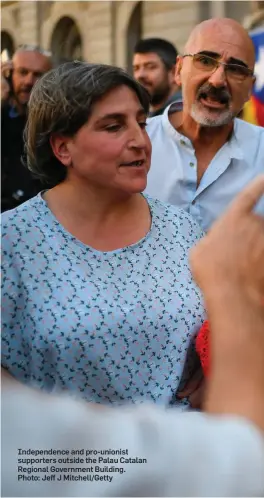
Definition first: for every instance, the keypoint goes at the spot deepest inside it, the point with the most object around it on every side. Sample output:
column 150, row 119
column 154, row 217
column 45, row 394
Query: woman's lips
column 135, row 164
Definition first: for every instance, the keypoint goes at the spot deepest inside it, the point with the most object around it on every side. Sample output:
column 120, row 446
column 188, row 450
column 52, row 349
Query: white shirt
column 173, row 173
column 187, row 454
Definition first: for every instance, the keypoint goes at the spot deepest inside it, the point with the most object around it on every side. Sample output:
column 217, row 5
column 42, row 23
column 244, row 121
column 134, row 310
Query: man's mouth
column 25, row 91
column 214, row 100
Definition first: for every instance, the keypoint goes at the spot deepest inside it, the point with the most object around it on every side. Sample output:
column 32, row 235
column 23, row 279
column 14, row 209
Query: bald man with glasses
column 203, row 156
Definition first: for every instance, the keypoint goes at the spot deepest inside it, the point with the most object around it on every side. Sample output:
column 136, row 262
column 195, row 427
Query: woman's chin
column 135, row 186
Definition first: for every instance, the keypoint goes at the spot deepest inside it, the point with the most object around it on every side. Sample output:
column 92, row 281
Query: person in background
column 18, row 77
column 202, row 155
column 97, row 293
column 216, row 453
column 154, row 67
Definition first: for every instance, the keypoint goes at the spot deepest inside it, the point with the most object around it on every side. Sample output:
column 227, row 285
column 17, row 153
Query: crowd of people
column 133, row 211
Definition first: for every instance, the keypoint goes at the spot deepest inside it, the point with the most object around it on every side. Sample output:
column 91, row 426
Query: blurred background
column 106, row 32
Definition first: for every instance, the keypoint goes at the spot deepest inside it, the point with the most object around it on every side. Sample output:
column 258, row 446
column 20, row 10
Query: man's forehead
column 31, row 60
column 147, row 56
column 223, row 39
column 219, row 38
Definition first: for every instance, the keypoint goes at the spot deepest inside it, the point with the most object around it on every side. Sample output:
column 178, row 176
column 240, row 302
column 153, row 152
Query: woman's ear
column 60, row 149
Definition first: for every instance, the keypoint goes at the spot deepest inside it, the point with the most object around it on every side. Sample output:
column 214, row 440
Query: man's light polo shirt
column 173, row 174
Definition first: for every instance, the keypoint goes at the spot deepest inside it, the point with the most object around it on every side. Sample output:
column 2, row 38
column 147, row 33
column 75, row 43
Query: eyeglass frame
column 225, row 65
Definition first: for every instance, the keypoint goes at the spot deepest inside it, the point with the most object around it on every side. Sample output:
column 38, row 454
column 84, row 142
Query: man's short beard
column 160, row 94
column 23, row 106
column 198, row 115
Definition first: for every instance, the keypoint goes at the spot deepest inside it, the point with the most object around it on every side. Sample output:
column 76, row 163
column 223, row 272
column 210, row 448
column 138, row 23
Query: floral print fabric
column 113, row 326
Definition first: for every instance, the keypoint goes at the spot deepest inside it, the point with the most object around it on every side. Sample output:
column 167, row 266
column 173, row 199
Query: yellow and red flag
column 254, row 109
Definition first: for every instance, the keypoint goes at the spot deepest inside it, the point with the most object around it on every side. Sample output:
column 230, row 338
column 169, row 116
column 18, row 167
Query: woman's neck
column 101, row 219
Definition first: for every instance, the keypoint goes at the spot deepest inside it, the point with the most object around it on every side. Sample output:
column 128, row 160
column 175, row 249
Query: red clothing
column 202, row 347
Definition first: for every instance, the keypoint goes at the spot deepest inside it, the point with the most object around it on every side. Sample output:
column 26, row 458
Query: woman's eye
column 117, row 127
column 113, row 128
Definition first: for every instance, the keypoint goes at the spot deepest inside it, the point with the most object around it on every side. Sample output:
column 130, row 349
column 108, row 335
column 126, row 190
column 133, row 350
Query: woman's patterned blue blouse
column 114, row 326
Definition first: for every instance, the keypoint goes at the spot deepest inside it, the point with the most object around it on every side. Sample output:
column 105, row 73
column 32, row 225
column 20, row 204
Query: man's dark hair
column 61, row 102
column 164, row 49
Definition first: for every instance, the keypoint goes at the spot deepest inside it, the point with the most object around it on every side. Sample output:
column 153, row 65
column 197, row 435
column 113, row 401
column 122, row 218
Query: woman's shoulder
column 26, row 211
column 19, row 223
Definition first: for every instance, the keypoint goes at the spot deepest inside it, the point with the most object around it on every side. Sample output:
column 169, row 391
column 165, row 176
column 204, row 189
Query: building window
column 7, row 43
column 66, row 42
column 134, row 33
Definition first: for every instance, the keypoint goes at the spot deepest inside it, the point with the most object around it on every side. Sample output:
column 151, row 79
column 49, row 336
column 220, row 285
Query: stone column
column 29, row 28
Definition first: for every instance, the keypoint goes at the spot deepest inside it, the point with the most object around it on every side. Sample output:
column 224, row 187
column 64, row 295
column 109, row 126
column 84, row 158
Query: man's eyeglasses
column 210, row 64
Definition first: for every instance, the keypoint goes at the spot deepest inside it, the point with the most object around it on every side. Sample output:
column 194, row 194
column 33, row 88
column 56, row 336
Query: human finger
column 248, row 198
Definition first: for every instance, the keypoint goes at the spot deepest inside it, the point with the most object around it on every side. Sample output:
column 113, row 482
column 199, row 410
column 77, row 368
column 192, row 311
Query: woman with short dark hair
column 98, row 296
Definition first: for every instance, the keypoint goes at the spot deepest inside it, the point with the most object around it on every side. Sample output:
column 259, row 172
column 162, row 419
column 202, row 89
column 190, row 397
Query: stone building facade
column 104, row 31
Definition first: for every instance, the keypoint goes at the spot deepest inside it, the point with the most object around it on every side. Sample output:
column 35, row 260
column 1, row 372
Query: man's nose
column 139, row 73
column 218, row 77
column 29, row 79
